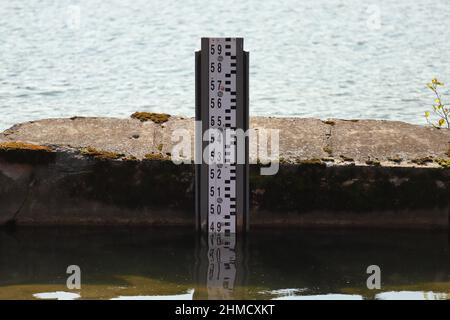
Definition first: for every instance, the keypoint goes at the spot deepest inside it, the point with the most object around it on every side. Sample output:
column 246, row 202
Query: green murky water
column 176, row 264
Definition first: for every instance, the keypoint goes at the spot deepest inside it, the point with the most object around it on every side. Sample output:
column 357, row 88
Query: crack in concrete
column 328, row 148
column 13, row 220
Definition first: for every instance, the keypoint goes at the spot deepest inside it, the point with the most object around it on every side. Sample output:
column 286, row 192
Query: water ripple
column 310, row 58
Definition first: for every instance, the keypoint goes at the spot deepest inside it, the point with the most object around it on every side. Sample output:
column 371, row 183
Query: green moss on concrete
column 422, row 161
column 8, row 132
column 347, row 159
column 158, row 185
column 395, row 159
column 16, row 145
column 373, row 162
column 157, row 156
column 329, row 122
column 100, row 154
column 313, row 161
column 23, row 152
column 130, row 158
column 328, row 150
column 443, row 162
column 152, row 116
column 304, row 188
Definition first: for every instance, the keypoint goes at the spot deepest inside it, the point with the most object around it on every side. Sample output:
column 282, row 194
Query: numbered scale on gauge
column 222, row 115
column 222, row 107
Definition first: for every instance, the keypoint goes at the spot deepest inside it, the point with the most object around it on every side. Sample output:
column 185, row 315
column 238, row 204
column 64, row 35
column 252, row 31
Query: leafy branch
column 439, row 109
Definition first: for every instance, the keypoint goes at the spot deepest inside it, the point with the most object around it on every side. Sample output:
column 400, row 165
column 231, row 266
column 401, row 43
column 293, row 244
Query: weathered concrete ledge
column 108, row 171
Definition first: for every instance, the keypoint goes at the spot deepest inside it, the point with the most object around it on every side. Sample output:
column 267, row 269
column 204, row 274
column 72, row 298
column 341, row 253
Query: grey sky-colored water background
column 339, row 58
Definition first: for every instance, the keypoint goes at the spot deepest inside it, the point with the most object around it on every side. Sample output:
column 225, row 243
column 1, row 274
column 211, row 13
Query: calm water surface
column 176, row 264
column 322, row 58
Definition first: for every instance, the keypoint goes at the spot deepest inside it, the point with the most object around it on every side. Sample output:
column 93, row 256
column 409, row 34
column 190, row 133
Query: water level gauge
column 222, row 163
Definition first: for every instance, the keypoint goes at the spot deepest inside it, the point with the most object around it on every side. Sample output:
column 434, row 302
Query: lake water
column 322, row 58
column 172, row 263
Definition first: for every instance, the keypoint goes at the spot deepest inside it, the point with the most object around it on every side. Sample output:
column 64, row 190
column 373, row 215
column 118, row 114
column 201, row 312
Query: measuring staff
column 221, row 69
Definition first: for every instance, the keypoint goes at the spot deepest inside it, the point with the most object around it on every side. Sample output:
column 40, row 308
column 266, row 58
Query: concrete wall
column 67, row 186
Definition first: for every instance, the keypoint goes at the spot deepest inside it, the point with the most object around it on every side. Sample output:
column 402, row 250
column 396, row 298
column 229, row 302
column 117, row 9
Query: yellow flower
column 435, row 81
column 427, row 114
column 441, row 122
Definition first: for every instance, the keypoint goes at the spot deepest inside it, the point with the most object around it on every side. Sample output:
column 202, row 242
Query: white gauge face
column 222, row 117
